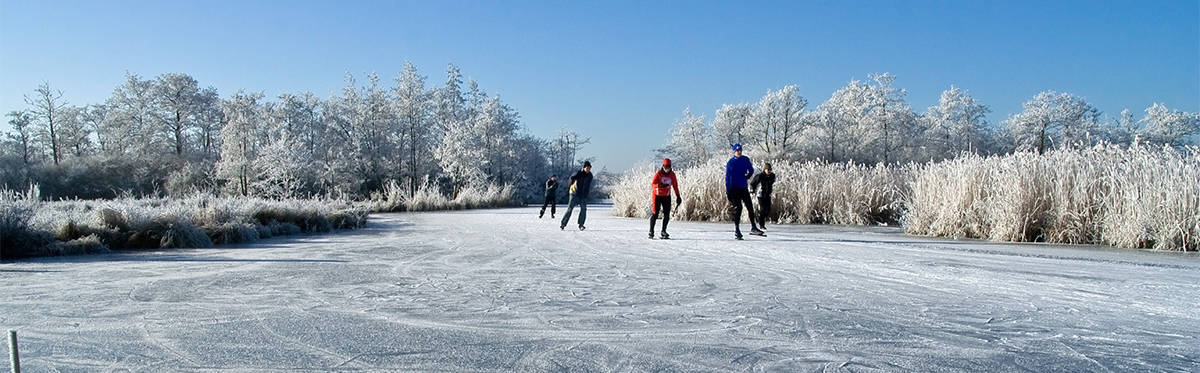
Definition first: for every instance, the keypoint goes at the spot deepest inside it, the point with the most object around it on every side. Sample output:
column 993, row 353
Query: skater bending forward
column 737, row 171
column 581, row 188
column 662, row 184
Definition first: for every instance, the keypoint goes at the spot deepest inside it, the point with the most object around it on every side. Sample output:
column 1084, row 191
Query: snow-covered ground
column 500, row 290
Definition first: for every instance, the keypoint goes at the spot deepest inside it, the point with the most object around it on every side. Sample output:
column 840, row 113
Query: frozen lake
column 500, row 290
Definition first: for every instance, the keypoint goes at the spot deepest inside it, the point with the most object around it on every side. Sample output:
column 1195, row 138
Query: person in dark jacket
column 763, row 184
column 660, row 197
column 581, row 188
column 551, row 196
column 737, row 171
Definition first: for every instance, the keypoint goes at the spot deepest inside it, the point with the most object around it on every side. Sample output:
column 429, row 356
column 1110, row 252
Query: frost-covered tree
column 956, row 125
column 564, row 151
column 376, row 135
column 48, row 108
column 300, row 116
column 867, row 122
column 891, row 126
column 730, row 125
column 1162, row 125
column 460, row 150
column 776, row 123
column 93, row 117
column 282, row 168
column 179, row 100
column 244, row 115
column 209, row 119
column 461, row 153
column 362, row 119
column 22, row 134
column 130, row 123
column 1124, row 131
column 1052, row 119
column 531, row 159
column 840, row 115
column 75, row 135
column 449, row 103
column 497, row 126
column 690, row 143
column 413, row 114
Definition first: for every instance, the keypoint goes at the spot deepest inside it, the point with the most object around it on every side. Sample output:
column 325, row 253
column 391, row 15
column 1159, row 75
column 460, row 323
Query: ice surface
column 500, row 290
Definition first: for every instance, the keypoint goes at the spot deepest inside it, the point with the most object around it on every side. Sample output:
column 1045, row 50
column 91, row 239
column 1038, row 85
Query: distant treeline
column 871, row 121
column 168, row 136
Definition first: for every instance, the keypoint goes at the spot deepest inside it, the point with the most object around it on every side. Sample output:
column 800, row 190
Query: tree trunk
column 178, row 133
column 1042, row 140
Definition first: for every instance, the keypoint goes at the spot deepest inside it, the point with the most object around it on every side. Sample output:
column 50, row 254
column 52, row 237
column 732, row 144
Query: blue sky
column 618, row 72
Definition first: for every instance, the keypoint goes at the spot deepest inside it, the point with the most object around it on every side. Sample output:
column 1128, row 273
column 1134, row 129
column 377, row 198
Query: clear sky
column 618, row 72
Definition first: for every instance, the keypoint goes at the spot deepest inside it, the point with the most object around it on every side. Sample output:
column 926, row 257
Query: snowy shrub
column 18, row 238
column 391, row 199
column 182, row 234
column 284, row 229
column 474, row 197
column 630, row 193
column 429, row 198
column 90, row 244
column 348, row 219
column 228, row 233
column 112, row 219
column 1133, row 197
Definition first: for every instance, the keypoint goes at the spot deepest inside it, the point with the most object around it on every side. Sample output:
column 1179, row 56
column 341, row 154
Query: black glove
column 678, row 200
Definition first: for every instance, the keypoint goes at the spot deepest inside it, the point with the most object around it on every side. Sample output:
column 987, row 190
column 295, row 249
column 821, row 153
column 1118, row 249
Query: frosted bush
column 1133, row 197
column 429, row 198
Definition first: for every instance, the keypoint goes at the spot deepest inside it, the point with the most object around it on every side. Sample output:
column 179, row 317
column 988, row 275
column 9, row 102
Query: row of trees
column 871, row 121
column 167, row 135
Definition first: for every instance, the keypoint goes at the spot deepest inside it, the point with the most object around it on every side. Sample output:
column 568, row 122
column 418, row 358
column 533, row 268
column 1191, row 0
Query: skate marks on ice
column 500, row 290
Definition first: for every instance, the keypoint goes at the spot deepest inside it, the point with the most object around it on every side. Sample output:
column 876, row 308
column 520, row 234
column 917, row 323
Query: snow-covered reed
column 31, row 227
column 1134, row 197
column 805, row 192
column 429, row 198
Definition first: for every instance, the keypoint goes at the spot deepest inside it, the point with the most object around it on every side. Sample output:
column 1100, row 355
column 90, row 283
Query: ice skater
column 581, row 187
column 762, row 184
column 737, row 171
column 660, row 200
column 551, row 196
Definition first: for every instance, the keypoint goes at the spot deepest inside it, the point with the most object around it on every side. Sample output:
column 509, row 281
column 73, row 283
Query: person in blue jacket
column 737, row 171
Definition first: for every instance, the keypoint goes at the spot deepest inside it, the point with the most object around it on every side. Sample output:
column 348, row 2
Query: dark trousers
column 764, row 209
column 739, row 197
column 550, row 200
column 571, row 203
column 662, row 204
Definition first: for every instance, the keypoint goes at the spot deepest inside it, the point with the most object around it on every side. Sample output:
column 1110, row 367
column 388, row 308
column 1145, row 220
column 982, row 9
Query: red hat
column 666, row 161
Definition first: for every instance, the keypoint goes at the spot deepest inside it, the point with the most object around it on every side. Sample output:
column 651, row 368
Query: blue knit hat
column 737, row 147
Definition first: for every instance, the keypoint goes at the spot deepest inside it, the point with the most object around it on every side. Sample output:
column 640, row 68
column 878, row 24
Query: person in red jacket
column 662, row 184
